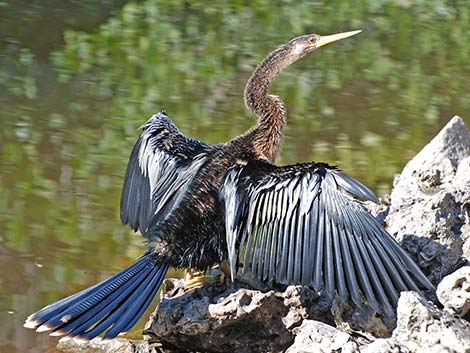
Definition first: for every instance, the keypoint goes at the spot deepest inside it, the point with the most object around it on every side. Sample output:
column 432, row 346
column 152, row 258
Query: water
column 77, row 80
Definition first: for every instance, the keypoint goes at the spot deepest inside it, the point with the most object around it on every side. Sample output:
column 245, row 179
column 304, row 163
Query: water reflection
column 70, row 106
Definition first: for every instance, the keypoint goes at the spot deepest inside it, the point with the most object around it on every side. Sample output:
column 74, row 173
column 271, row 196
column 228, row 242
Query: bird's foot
column 195, row 279
column 251, row 281
column 133, row 335
column 225, row 272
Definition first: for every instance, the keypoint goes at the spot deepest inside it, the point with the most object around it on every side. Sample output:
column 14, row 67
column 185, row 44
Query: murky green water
column 78, row 79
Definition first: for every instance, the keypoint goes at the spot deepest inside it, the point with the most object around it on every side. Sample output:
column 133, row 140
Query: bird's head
column 301, row 46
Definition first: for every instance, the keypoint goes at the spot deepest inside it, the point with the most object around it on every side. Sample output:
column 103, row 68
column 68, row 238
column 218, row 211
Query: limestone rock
column 382, row 345
column 363, row 321
column 454, row 291
column 98, row 345
column 429, row 205
column 223, row 318
column 350, row 347
column 422, row 327
column 316, row 336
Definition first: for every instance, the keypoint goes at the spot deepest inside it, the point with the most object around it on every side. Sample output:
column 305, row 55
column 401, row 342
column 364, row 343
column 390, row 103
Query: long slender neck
column 268, row 134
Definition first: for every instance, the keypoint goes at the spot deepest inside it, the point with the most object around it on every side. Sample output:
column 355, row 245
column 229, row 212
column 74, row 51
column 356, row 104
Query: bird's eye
column 312, row 40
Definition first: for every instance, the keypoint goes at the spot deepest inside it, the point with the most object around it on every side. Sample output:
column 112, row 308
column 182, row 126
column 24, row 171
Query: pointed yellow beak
column 324, row 40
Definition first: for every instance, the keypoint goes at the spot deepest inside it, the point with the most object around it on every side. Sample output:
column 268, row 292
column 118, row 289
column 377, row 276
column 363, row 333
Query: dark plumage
column 200, row 204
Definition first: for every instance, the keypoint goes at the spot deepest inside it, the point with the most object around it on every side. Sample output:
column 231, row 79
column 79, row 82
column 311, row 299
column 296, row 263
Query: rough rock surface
column 454, row 291
column 222, row 318
column 430, row 202
column 362, row 321
column 97, row 345
column 315, row 336
column 428, row 212
column 382, row 345
column 422, row 327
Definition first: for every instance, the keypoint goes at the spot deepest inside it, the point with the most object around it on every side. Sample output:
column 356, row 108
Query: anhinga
column 199, row 204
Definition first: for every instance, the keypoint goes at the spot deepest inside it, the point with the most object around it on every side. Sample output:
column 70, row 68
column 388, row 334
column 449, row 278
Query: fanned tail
column 115, row 304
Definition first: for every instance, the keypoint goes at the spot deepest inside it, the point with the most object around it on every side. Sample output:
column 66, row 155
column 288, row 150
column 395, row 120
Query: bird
column 198, row 205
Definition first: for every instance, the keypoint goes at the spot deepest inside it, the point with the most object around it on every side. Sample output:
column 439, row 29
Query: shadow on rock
column 432, row 257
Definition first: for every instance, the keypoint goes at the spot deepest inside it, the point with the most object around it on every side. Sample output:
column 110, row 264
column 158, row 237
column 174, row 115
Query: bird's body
column 198, row 205
column 190, row 234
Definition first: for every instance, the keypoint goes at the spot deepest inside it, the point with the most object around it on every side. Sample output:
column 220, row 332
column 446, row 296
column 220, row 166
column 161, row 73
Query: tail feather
column 91, row 299
column 130, row 318
column 103, row 308
column 117, row 302
column 132, row 303
column 44, row 315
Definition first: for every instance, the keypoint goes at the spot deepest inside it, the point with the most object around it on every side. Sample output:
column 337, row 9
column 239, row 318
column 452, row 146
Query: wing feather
column 350, row 270
column 306, row 275
column 265, row 238
column 298, row 247
column 270, row 241
column 329, row 269
column 161, row 166
column 318, row 268
column 313, row 238
column 340, row 278
column 302, row 224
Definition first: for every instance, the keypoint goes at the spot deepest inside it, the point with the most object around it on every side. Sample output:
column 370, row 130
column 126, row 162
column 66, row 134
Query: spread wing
column 302, row 225
column 162, row 164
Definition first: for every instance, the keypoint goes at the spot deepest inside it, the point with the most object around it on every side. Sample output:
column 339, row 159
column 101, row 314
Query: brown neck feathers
column 267, row 135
